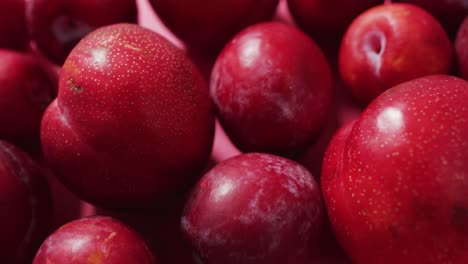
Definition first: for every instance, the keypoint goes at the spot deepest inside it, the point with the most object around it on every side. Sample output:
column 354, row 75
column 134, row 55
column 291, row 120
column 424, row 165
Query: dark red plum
column 272, row 88
column 13, row 29
column 26, row 89
column 207, row 25
column 133, row 122
column 26, row 205
column 390, row 44
column 253, row 208
column 98, row 239
column 395, row 184
column 461, row 49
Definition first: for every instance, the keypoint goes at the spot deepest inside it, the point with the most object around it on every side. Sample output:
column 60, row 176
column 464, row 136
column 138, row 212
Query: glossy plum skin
column 26, row 90
column 390, row 44
column 96, row 239
column 461, row 49
column 395, row 188
column 449, row 13
column 26, row 205
column 133, row 122
column 323, row 20
column 56, row 26
column 207, row 25
column 253, row 208
column 13, row 29
column 272, row 88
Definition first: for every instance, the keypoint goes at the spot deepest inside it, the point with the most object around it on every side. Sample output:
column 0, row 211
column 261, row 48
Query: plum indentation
column 69, row 31
column 374, row 47
column 376, row 44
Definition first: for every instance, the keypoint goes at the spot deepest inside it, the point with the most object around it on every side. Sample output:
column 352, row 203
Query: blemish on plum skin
column 112, row 235
column 128, row 46
column 73, row 87
column 95, row 258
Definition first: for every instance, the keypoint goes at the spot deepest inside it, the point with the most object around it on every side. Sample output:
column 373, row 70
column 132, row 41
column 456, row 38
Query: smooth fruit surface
column 98, row 239
column 395, row 188
column 13, row 29
column 253, row 208
column 272, row 87
column 133, row 121
column 390, row 44
column 26, row 90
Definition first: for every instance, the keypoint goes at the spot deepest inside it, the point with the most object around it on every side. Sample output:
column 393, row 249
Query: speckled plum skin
column 323, row 20
column 133, row 122
column 396, row 186
column 390, row 44
column 98, row 239
column 25, row 203
column 207, row 25
column 450, row 13
column 56, row 26
column 272, row 87
column 13, row 29
column 461, row 49
column 25, row 91
column 253, row 208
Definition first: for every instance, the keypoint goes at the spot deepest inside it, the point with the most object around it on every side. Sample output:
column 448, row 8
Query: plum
column 133, row 122
column 26, row 89
column 390, row 44
column 26, row 205
column 253, row 208
column 272, row 88
column 13, row 29
column 323, row 20
column 395, row 183
column 96, row 239
column 207, row 25
column 461, row 49
column 450, row 13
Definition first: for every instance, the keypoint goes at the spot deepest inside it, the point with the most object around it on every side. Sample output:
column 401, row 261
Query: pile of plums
column 235, row 131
